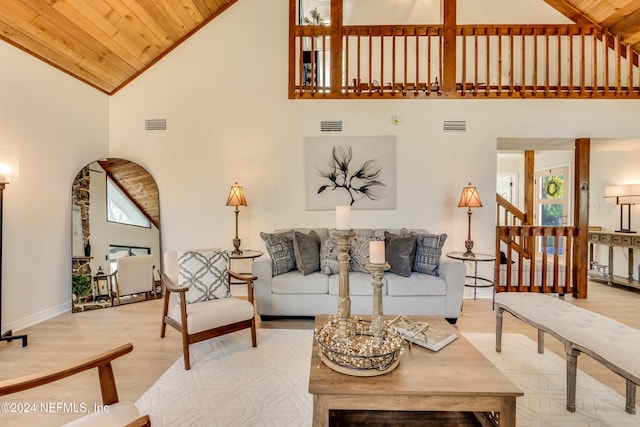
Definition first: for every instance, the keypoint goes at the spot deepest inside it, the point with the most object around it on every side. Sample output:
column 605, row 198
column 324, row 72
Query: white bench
column 608, row 341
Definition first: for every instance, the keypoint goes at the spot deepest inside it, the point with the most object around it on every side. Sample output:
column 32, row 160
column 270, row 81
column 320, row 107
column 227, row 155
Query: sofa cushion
column 428, row 252
column 280, row 249
column 205, row 273
column 418, row 284
column 329, row 256
column 306, row 248
column 359, row 284
column 294, row 282
column 400, row 252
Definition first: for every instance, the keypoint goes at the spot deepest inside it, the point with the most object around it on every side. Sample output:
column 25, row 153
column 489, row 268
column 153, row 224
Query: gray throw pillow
column 205, row 273
column 280, row 249
column 428, row 252
column 329, row 256
column 400, row 252
column 307, row 251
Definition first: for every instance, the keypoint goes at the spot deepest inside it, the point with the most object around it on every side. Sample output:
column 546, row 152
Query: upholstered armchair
column 119, row 414
column 198, row 301
column 134, row 275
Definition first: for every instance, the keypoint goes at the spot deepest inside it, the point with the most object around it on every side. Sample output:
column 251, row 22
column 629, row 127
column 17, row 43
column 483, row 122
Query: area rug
column 233, row 384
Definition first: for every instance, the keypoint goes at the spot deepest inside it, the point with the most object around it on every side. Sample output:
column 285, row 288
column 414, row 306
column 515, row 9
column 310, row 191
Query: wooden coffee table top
column 457, row 369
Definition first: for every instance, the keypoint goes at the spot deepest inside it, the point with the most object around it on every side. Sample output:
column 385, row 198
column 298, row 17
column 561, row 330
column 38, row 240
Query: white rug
column 233, row 384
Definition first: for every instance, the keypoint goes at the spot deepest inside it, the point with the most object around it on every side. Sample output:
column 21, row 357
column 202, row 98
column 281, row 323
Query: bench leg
column 540, row 341
column 630, row 407
column 572, row 368
column 499, row 311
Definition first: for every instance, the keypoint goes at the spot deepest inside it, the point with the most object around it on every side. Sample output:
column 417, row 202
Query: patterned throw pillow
column 359, row 253
column 307, row 251
column 280, row 249
column 428, row 252
column 329, row 256
column 205, row 273
column 400, row 252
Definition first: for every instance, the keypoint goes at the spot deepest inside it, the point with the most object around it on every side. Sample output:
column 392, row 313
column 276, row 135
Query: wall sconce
column 469, row 199
column 8, row 172
column 236, row 198
column 624, row 196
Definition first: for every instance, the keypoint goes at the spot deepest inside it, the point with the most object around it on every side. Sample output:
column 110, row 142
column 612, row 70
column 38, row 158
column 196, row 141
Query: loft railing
column 491, row 61
column 548, row 270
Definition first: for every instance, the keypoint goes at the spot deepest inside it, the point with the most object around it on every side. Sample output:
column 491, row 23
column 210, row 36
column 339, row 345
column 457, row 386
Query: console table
column 613, row 240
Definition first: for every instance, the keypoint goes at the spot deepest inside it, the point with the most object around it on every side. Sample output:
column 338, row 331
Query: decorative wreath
column 553, row 185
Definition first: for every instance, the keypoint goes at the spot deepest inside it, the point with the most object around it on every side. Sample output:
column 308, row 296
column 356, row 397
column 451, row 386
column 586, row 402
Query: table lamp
column 236, row 198
column 469, row 199
column 624, row 196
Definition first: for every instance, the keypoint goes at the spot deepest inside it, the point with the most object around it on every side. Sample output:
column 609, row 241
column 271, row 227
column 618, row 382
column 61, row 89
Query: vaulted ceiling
column 104, row 43
column 108, row 43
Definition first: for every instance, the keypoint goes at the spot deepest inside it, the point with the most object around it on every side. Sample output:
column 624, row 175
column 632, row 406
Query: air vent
column 155, row 124
column 454, row 126
column 331, row 126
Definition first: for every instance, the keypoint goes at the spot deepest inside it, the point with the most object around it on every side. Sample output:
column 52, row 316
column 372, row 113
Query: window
column 121, row 209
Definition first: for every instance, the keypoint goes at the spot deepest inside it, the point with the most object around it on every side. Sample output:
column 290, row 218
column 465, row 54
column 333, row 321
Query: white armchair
column 205, row 318
column 134, row 275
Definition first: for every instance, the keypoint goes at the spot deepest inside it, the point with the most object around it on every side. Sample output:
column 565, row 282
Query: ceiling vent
column 331, row 126
column 155, row 124
column 454, row 126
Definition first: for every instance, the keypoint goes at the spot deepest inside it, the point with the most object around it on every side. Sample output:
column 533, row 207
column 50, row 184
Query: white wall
column 58, row 124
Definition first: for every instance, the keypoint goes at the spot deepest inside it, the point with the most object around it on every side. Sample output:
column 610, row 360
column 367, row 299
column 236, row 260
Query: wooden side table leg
column 508, row 412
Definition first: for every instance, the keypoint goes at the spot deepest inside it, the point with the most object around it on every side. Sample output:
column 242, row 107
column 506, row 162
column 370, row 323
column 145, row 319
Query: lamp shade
column 8, row 163
column 236, row 196
column 469, row 198
column 622, row 194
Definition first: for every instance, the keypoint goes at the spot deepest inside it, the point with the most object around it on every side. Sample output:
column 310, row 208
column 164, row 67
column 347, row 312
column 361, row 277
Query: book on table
column 422, row 333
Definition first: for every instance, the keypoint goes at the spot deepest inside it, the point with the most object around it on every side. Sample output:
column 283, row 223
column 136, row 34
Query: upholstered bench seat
column 608, row 341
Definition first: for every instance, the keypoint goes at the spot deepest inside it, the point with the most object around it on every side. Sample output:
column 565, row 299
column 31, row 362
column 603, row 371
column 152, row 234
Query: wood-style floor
column 79, row 335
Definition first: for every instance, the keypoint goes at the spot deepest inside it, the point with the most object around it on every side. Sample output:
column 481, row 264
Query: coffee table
column 457, row 378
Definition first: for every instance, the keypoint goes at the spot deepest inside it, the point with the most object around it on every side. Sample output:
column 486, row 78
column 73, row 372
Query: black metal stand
column 628, row 229
column 8, row 335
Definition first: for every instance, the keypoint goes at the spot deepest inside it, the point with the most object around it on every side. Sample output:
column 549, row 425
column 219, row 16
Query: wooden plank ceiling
column 107, row 43
column 137, row 183
column 104, row 43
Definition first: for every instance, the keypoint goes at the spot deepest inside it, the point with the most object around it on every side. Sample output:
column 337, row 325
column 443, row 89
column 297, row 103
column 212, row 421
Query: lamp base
column 469, row 245
column 236, row 245
column 8, row 336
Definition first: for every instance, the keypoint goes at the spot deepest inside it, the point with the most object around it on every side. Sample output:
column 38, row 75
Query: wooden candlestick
column 343, row 238
column 377, row 322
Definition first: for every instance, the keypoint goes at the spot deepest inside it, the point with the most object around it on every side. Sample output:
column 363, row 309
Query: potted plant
column 80, row 285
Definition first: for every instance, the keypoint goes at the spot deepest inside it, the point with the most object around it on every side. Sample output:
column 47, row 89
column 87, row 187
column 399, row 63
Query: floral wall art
column 355, row 170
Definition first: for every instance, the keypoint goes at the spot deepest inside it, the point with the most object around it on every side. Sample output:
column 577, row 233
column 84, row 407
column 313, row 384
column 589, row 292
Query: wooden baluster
column 347, row 58
column 605, row 47
column 476, row 60
column 582, row 62
column 511, row 54
column 359, row 78
column 499, row 71
column 488, row 61
column 417, row 63
column 618, row 52
column 629, row 70
column 523, row 75
column 570, row 63
column 370, row 60
column 381, row 62
column 535, row 63
column 594, row 76
column 464, row 65
column 546, row 63
column 405, row 61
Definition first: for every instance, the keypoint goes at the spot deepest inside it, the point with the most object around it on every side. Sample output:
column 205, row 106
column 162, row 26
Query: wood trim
column 581, row 216
column 448, row 83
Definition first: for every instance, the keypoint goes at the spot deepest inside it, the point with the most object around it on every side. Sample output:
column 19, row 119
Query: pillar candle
column 376, row 252
column 343, row 217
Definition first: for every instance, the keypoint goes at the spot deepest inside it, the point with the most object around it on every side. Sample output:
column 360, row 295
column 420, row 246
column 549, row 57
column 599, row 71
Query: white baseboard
column 25, row 322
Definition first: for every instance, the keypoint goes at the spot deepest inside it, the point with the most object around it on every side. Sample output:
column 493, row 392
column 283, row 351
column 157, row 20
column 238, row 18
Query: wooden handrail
column 395, row 61
column 549, row 270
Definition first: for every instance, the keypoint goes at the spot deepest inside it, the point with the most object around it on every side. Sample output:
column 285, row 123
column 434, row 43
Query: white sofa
column 293, row 294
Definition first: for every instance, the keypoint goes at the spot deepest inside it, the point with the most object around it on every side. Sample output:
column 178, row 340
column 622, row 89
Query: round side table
column 246, row 254
column 478, row 281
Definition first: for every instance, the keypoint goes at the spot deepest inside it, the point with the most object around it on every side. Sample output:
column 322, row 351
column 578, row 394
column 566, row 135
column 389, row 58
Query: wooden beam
column 529, row 185
column 569, row 11
column 581, row 216
column 448, row 79
column 336, row 46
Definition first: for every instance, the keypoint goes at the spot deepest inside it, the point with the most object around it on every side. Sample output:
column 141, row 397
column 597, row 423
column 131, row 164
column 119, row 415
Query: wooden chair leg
column 540, row 341
column 254, row 340
column 185, row 349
